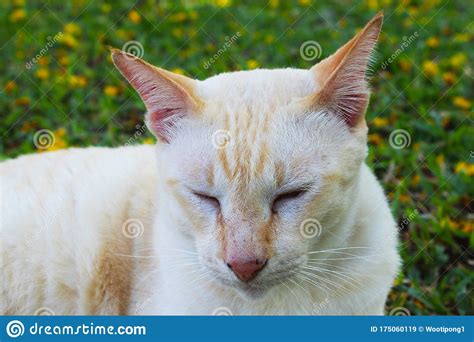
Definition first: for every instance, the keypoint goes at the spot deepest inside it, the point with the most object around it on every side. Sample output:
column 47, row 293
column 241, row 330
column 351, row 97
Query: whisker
column 338, row 249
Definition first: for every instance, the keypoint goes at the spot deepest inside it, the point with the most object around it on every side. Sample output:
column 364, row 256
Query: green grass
column 74, row 91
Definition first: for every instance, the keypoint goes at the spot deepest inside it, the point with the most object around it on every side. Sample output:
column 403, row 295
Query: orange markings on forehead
column 210, row 175
column 279, row 173
column 262, row 158
column 222, row 157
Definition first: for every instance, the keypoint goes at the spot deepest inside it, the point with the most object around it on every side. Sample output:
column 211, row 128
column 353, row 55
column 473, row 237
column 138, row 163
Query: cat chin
column 252, row 293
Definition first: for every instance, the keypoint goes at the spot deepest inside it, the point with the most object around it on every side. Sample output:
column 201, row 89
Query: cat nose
column 246, row 269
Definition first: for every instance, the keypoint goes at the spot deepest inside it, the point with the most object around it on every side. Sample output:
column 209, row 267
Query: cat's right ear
column 168, row 97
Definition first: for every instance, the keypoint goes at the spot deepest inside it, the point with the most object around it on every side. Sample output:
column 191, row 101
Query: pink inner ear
column 160, row 121
column 166, row 99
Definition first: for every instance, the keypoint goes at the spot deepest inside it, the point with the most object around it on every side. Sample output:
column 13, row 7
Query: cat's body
column 257, row 200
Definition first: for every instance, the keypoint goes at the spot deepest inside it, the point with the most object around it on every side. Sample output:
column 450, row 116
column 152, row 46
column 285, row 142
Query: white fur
column 57, row 208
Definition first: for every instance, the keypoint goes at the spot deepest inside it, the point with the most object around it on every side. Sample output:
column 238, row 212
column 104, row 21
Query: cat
column 256, row 200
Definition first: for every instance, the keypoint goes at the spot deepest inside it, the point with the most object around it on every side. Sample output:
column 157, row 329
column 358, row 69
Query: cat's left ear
column 168, row 97
column 344, row 89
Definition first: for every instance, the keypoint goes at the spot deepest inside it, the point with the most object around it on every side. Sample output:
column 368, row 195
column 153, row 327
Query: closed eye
column 286, row 197
column 208, row 199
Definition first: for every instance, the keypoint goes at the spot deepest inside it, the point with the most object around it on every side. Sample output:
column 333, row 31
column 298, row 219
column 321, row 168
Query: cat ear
column 168, row 97
column 344, row 88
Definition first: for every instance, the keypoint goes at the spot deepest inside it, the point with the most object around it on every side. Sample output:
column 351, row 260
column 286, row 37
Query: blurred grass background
column 74, row 91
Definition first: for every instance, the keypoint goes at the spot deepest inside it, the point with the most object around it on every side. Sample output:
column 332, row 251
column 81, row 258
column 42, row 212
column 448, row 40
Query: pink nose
column 246, row 269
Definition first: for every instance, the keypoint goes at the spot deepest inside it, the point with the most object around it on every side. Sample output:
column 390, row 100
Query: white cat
column 255, row 201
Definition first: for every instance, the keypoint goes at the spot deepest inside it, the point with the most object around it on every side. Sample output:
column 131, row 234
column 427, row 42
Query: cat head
column 259, row 168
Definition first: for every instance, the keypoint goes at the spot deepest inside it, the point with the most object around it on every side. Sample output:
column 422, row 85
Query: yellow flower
column 77, row 81
column 17, row 15
column 375, row 139
column 274, row 3
column 59, row 141
column 193, row 15
column 23, row 101
column 43, row 61
column 462, row 37
column 69, row 40
column 64, row 60
column 111, row 91
column 149, row 141
column 178, row 71
column 252, row 64
column 404, row 198
column 380, row 122
column 449, row 78
column 415, row 180
column 134, row 17
column 223, row 3
column 405, row 64
column 430, row 68
column 10, row 86
column 373, row 4
column 440, row 160
column 269, row 38
column 105, row 8
column 42, row 73
column 61, row 132
column 458, row 60
column 463, row 167
column 432, row 42
column 178, row 17
column 177, row 32
column 27, row 126
column 462, row 102
column 72, row 28
column 468, row 227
